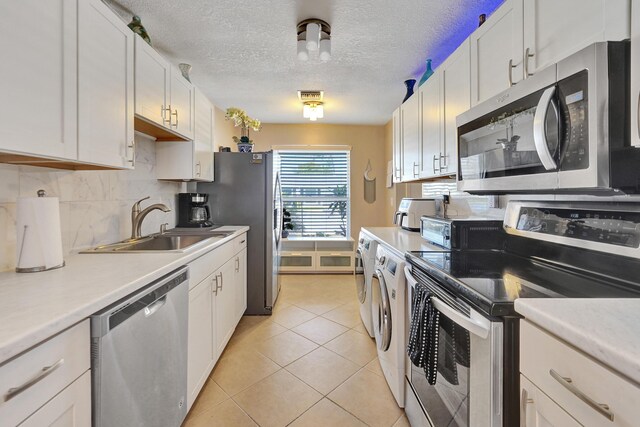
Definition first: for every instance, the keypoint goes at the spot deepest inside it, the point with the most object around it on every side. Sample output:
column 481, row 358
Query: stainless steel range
column 554, row 250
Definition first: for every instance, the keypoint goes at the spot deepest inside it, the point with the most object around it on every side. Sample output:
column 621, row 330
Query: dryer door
column 381, row 310
column 360, row 278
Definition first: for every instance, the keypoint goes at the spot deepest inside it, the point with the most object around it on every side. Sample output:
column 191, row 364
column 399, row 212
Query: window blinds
column 315, row 190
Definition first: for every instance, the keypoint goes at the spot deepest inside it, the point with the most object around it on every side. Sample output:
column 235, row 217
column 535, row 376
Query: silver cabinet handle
column 132, row 146
column 511, row 67
column 214, row 288
column 163, row 113
column 45, row 372
column 446, row 164
column 174, row 113
column 527, row 56
column 237, row 265
column 198, row 169
column 221, row 283
column 566, row 382
column 416, row 174
column 524, row 401
column 435, row 159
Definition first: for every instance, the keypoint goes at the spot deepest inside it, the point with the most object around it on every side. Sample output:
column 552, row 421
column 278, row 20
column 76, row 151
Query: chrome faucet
column 137, row 215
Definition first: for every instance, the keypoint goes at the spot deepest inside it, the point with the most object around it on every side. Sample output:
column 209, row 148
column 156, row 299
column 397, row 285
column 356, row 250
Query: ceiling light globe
column 325, row 49
column 313, row 36
column 303, row 54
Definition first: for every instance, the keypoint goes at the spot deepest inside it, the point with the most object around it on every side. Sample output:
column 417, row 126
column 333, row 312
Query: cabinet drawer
column 239, row 243
column 335, row 261
column 49, row 368
column 202, row 267
column 575, row 381
column 297, row 261
column 536, row 409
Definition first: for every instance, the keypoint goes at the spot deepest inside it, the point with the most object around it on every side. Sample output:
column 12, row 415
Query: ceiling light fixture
column 314, row 35
column 312, row 105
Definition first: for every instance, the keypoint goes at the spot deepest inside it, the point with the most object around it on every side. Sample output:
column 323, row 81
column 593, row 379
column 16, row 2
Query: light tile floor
column 309, row 364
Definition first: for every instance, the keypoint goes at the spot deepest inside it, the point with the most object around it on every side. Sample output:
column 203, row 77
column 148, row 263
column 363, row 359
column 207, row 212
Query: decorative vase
column 137, row 27
column 245, row 147
column 427, row 73
column 185, row 69
column 409, row 84
column 285, row 234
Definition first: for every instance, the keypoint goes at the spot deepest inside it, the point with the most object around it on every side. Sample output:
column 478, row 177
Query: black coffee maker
column 193, row 210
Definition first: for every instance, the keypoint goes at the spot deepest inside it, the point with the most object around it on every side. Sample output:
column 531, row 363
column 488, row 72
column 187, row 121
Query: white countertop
column 606, row 329
column 400, row 241
column 35, row 306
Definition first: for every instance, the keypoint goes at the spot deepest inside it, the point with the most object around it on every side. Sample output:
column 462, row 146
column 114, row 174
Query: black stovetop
column 491, row 280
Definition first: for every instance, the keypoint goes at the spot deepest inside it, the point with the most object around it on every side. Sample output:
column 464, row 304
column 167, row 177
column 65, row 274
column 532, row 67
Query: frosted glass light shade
column 325, row 49
column 303, row 53
column 313, row 36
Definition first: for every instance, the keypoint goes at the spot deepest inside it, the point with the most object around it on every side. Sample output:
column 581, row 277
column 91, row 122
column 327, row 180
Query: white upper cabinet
column 38, row 113
column 496, row 52
column 105, row 87
column 164, row 99
column 430, row 126
column 396, row 129
column 182, row 104
column 152, row 79
column 410, row 125
column 555, row 29
column 190, row 160
column 455, row 81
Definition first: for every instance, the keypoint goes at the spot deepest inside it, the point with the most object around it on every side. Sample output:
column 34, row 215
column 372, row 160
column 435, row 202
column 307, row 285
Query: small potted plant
column 287, row 225
column 245, row 123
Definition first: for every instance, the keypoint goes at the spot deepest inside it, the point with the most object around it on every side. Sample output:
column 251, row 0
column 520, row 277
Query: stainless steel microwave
column 564, row 129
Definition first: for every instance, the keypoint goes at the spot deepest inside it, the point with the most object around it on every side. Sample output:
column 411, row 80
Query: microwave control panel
column 610, row 227
column 574, row 101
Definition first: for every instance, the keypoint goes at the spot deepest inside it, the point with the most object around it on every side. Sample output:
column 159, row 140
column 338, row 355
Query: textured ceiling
column 243, row 52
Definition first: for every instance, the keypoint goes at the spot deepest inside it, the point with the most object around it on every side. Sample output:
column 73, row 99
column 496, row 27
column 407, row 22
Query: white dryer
column 365, row 264
column 388, row 308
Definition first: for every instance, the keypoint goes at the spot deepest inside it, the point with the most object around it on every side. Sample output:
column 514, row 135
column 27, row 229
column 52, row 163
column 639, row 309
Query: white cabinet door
column 69, row 408
column 397, row 145
column 635, row 74
column 430, row 123
column 496, row 52
column 105, row 87
column 225, row 310
column 182, row 101
column 555, row 29
column 152, row 83
column 201, row 352
column 203, row 142
column 538, row 410
column 410, row 119
column 455, row 80
column 241, row 283
column 38, row 112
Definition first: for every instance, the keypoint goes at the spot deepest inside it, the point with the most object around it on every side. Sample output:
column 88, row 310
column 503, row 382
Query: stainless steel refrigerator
column 246, row 191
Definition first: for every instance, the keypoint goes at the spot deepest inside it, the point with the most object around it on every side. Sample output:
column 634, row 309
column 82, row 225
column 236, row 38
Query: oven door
column 466, row 394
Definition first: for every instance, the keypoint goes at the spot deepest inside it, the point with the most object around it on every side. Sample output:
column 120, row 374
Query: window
column 315, row 190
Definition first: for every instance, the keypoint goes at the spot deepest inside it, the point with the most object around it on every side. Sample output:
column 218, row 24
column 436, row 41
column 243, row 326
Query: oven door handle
column 410, row 280
column 539, row 129
column 474, row 326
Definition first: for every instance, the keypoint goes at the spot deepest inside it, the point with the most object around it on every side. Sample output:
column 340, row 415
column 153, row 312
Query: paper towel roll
column 39, row 242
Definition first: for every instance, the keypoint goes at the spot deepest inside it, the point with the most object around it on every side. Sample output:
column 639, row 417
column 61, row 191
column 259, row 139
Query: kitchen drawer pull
column 566, row 382
column 511, row 67
column 174, row 113
column 237, row 265
column 524, row 401
column 45, row 372
column 242, row 241
column 527, row 55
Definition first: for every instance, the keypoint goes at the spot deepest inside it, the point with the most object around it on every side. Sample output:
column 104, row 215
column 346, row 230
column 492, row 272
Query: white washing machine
column 388, row 309
column 365, row 264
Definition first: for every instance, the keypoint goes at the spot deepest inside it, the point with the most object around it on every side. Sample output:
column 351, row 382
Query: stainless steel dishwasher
column 139, row 356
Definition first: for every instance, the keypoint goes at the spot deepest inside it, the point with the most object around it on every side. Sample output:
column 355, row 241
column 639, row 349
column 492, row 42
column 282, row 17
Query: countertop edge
column 28, row 339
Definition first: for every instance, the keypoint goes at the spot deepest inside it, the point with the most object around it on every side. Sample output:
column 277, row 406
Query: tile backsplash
column 95, row 206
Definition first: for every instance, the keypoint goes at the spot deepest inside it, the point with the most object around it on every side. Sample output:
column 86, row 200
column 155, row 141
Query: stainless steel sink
column 171, row 241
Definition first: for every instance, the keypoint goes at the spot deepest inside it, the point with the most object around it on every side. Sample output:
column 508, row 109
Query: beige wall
column 367, row 143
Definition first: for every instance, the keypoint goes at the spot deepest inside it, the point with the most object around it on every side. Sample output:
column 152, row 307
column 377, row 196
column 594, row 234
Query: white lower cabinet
column 49, row 384
column 70, row 408
column 216, row 304
column 564, row 387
